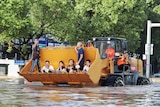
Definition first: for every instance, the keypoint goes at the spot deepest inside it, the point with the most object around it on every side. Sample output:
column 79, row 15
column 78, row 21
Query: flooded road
column 14, row 93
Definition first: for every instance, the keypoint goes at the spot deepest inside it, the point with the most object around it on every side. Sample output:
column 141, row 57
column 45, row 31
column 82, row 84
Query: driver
column 110, row 52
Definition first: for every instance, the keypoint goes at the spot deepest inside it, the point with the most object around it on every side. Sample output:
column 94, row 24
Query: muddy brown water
column 16, row 92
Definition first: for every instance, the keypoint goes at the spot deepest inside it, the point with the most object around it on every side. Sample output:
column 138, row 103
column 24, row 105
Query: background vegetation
column 74, row 20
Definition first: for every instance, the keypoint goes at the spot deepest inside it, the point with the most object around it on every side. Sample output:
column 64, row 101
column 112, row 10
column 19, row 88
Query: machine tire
column 118, row 82
column 143, row 81
column 114, row 81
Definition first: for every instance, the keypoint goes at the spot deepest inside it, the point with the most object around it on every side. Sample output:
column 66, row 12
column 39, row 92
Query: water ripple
column 14, row 93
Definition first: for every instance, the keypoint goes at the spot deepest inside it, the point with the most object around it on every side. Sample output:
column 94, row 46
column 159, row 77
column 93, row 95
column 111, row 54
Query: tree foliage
column 78, row 20
column 119, row 18
column 14, row 17
column 153, row 14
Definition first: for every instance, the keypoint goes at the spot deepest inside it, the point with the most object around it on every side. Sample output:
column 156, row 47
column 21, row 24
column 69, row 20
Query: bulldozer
column 102, row 72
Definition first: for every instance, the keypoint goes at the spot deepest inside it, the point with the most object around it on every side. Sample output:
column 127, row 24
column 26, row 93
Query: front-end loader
column 102, row 72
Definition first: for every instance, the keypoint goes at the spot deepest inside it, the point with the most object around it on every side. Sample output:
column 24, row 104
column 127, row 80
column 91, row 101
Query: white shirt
column 48, row 69
column 86, row 68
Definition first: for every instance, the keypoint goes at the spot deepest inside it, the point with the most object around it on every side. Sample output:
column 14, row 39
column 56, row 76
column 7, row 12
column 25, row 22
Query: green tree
column 120, row 18
column 15, row 21
column 73, row 20
column 153, row 14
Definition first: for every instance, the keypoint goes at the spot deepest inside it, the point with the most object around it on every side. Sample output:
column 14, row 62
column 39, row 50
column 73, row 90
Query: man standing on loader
column 35, row 56
column 80, row 52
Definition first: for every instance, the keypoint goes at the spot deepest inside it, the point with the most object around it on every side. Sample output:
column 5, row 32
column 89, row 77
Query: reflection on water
column 13, row 93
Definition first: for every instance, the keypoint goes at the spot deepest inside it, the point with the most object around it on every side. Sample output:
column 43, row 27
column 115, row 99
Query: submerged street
column 16, row 92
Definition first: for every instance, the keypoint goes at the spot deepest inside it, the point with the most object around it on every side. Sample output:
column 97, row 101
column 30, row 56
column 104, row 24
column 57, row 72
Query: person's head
column 71, row 62
column 61, row 63
column 89, row 43
column 47, row 62
column 88, row 62
column 79, row 44
column 36, row 41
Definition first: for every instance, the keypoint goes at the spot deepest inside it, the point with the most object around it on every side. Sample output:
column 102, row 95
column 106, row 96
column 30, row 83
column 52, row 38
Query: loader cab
column 105, row 43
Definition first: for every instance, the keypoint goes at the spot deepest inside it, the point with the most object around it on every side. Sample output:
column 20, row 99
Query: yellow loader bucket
column 56, row 54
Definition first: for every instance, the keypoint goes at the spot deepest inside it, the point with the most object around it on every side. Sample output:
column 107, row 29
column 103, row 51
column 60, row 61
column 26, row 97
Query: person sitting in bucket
column 48, row 68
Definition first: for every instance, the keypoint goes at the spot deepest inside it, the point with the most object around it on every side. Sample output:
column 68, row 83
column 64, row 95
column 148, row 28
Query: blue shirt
column 81, row 51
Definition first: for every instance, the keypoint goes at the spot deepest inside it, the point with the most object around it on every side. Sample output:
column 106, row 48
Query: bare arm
column 76, row 49
column 33, row 46
column 32, row 54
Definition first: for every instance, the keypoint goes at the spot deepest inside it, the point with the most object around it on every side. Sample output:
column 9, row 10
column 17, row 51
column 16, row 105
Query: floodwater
column 14, row 93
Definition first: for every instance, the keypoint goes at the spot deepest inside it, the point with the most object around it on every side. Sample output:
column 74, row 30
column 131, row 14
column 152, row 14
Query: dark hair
column 47, row 61
column 61, row 62
column 88, row 60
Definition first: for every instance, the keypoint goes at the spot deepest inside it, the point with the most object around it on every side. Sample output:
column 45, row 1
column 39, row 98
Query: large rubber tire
column 114, row 81
column 118, row 82
column 143, row 81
